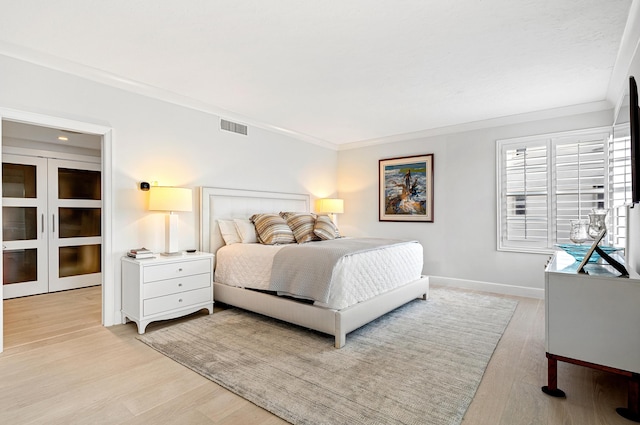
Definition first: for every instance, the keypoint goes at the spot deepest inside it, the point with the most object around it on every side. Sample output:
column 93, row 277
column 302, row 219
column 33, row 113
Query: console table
column 592, row 320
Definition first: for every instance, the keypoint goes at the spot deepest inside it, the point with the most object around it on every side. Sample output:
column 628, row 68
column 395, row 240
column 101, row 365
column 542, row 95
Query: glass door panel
column 18, row 181
column 24, row 228
column 79, row 260
column 78, row 184
column 75, row 206
column 19, row 266
column 19, row 223
column 80, row 222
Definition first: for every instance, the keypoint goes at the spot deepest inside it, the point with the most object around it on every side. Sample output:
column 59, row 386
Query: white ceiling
column 336, row 71
column 35, row 133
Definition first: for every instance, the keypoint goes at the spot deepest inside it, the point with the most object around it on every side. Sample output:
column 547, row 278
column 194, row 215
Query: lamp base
column 171, row 236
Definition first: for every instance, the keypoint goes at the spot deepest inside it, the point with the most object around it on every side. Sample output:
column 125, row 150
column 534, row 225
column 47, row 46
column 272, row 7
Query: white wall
column 173, row 145
column 461, row 242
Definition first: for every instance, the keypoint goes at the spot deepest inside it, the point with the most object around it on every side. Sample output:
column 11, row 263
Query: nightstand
column 166, row 287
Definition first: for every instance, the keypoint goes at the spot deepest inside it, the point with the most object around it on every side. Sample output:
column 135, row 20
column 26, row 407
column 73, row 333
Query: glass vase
column 579, row 231
column 597, row 222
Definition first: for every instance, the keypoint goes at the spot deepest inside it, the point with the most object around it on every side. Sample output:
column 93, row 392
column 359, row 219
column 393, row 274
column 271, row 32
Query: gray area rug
column 419, row 364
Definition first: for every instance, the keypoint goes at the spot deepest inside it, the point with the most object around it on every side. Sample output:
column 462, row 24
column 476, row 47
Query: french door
column 24, row 229
column 52, row 215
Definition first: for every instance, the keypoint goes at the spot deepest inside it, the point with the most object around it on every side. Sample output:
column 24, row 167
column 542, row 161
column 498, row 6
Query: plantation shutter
column 580, row 179
column 619, row 182
column 525, row 195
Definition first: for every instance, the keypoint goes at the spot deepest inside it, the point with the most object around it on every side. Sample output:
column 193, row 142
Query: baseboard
column 496, row 288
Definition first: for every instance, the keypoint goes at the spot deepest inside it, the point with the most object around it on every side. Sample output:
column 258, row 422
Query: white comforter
column 356, row 277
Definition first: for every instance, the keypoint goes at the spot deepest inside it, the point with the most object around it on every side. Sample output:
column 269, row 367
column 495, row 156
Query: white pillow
column 246, row 230
column 229, row 232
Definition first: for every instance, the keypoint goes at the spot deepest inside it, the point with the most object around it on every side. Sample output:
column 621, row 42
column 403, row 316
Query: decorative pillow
column 302, row 225
column 272, row 229
column 229, row 232
column 285, row 214
column 246, row 230
column 325, row 229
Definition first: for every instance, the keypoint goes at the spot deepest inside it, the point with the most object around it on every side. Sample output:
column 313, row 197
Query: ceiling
column 35, row 133
column 336, row 71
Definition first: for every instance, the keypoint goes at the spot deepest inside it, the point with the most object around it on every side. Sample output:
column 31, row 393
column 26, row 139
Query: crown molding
column 103, row 77
column 483, row 124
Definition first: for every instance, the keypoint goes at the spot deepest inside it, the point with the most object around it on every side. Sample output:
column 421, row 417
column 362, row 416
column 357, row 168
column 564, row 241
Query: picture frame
column 406, row 189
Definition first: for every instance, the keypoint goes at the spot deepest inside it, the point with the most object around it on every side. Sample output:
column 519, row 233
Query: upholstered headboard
column 220, row 203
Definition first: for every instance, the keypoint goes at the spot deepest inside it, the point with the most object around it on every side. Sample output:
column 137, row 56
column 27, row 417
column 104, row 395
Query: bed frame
column 221, row 203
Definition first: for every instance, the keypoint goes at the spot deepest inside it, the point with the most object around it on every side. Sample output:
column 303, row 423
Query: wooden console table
column 592, row 321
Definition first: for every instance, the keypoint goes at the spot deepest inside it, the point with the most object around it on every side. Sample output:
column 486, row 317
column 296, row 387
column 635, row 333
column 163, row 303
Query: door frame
column 109, row 314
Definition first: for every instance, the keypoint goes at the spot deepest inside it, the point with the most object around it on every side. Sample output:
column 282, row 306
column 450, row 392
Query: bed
column 335, row 317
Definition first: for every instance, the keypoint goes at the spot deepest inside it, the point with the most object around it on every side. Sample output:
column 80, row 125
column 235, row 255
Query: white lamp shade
column 166, row 198
column 330, row 206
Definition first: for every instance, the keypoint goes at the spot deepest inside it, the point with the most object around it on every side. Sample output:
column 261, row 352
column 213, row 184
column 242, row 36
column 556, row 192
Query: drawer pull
column 179, row 284
column 180, row 269
column 180, row 300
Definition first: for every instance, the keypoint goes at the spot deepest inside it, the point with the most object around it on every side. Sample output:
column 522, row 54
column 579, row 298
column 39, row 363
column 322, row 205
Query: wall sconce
column 330, row 206
column 171, row 199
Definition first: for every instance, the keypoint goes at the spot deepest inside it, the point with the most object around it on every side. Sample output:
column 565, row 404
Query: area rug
column 419, row 364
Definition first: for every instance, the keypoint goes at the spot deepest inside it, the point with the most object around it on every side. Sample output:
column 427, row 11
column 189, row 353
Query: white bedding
column 356, row 277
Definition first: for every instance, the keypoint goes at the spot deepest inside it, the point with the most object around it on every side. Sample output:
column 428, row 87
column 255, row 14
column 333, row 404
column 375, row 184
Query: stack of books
column 140, row 253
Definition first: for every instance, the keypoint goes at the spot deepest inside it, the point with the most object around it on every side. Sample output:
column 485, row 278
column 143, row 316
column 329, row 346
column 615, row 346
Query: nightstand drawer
column 176, row 301
column 177, row 269
column 179, row 284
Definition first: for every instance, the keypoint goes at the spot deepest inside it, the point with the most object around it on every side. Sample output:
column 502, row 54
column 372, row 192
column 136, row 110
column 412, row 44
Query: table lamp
column 330, row 206
column 171, row 199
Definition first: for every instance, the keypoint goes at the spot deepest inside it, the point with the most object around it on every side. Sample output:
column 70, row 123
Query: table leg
column 552, row 378
column 632, row 411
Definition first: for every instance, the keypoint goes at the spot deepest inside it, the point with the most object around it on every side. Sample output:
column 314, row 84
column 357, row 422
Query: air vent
column 233, row 127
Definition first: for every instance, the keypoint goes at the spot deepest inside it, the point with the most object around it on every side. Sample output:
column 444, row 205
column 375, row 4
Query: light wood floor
column 60, row 366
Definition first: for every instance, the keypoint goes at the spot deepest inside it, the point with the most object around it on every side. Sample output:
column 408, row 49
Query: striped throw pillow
column 325, row 229
column 302, row 225
column 272, row 229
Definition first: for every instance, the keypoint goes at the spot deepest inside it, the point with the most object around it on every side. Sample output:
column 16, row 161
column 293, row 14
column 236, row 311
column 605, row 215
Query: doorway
column 109, row 306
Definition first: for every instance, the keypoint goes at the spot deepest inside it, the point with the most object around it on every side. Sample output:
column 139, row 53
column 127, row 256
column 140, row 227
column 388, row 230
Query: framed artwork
column 406, row 188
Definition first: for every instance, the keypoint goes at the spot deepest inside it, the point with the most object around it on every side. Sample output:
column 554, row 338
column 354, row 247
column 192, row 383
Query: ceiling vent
column 234, row 127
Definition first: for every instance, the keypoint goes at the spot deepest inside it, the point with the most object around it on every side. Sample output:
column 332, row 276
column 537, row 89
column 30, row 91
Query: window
column 544, row 182
column 619, row 183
